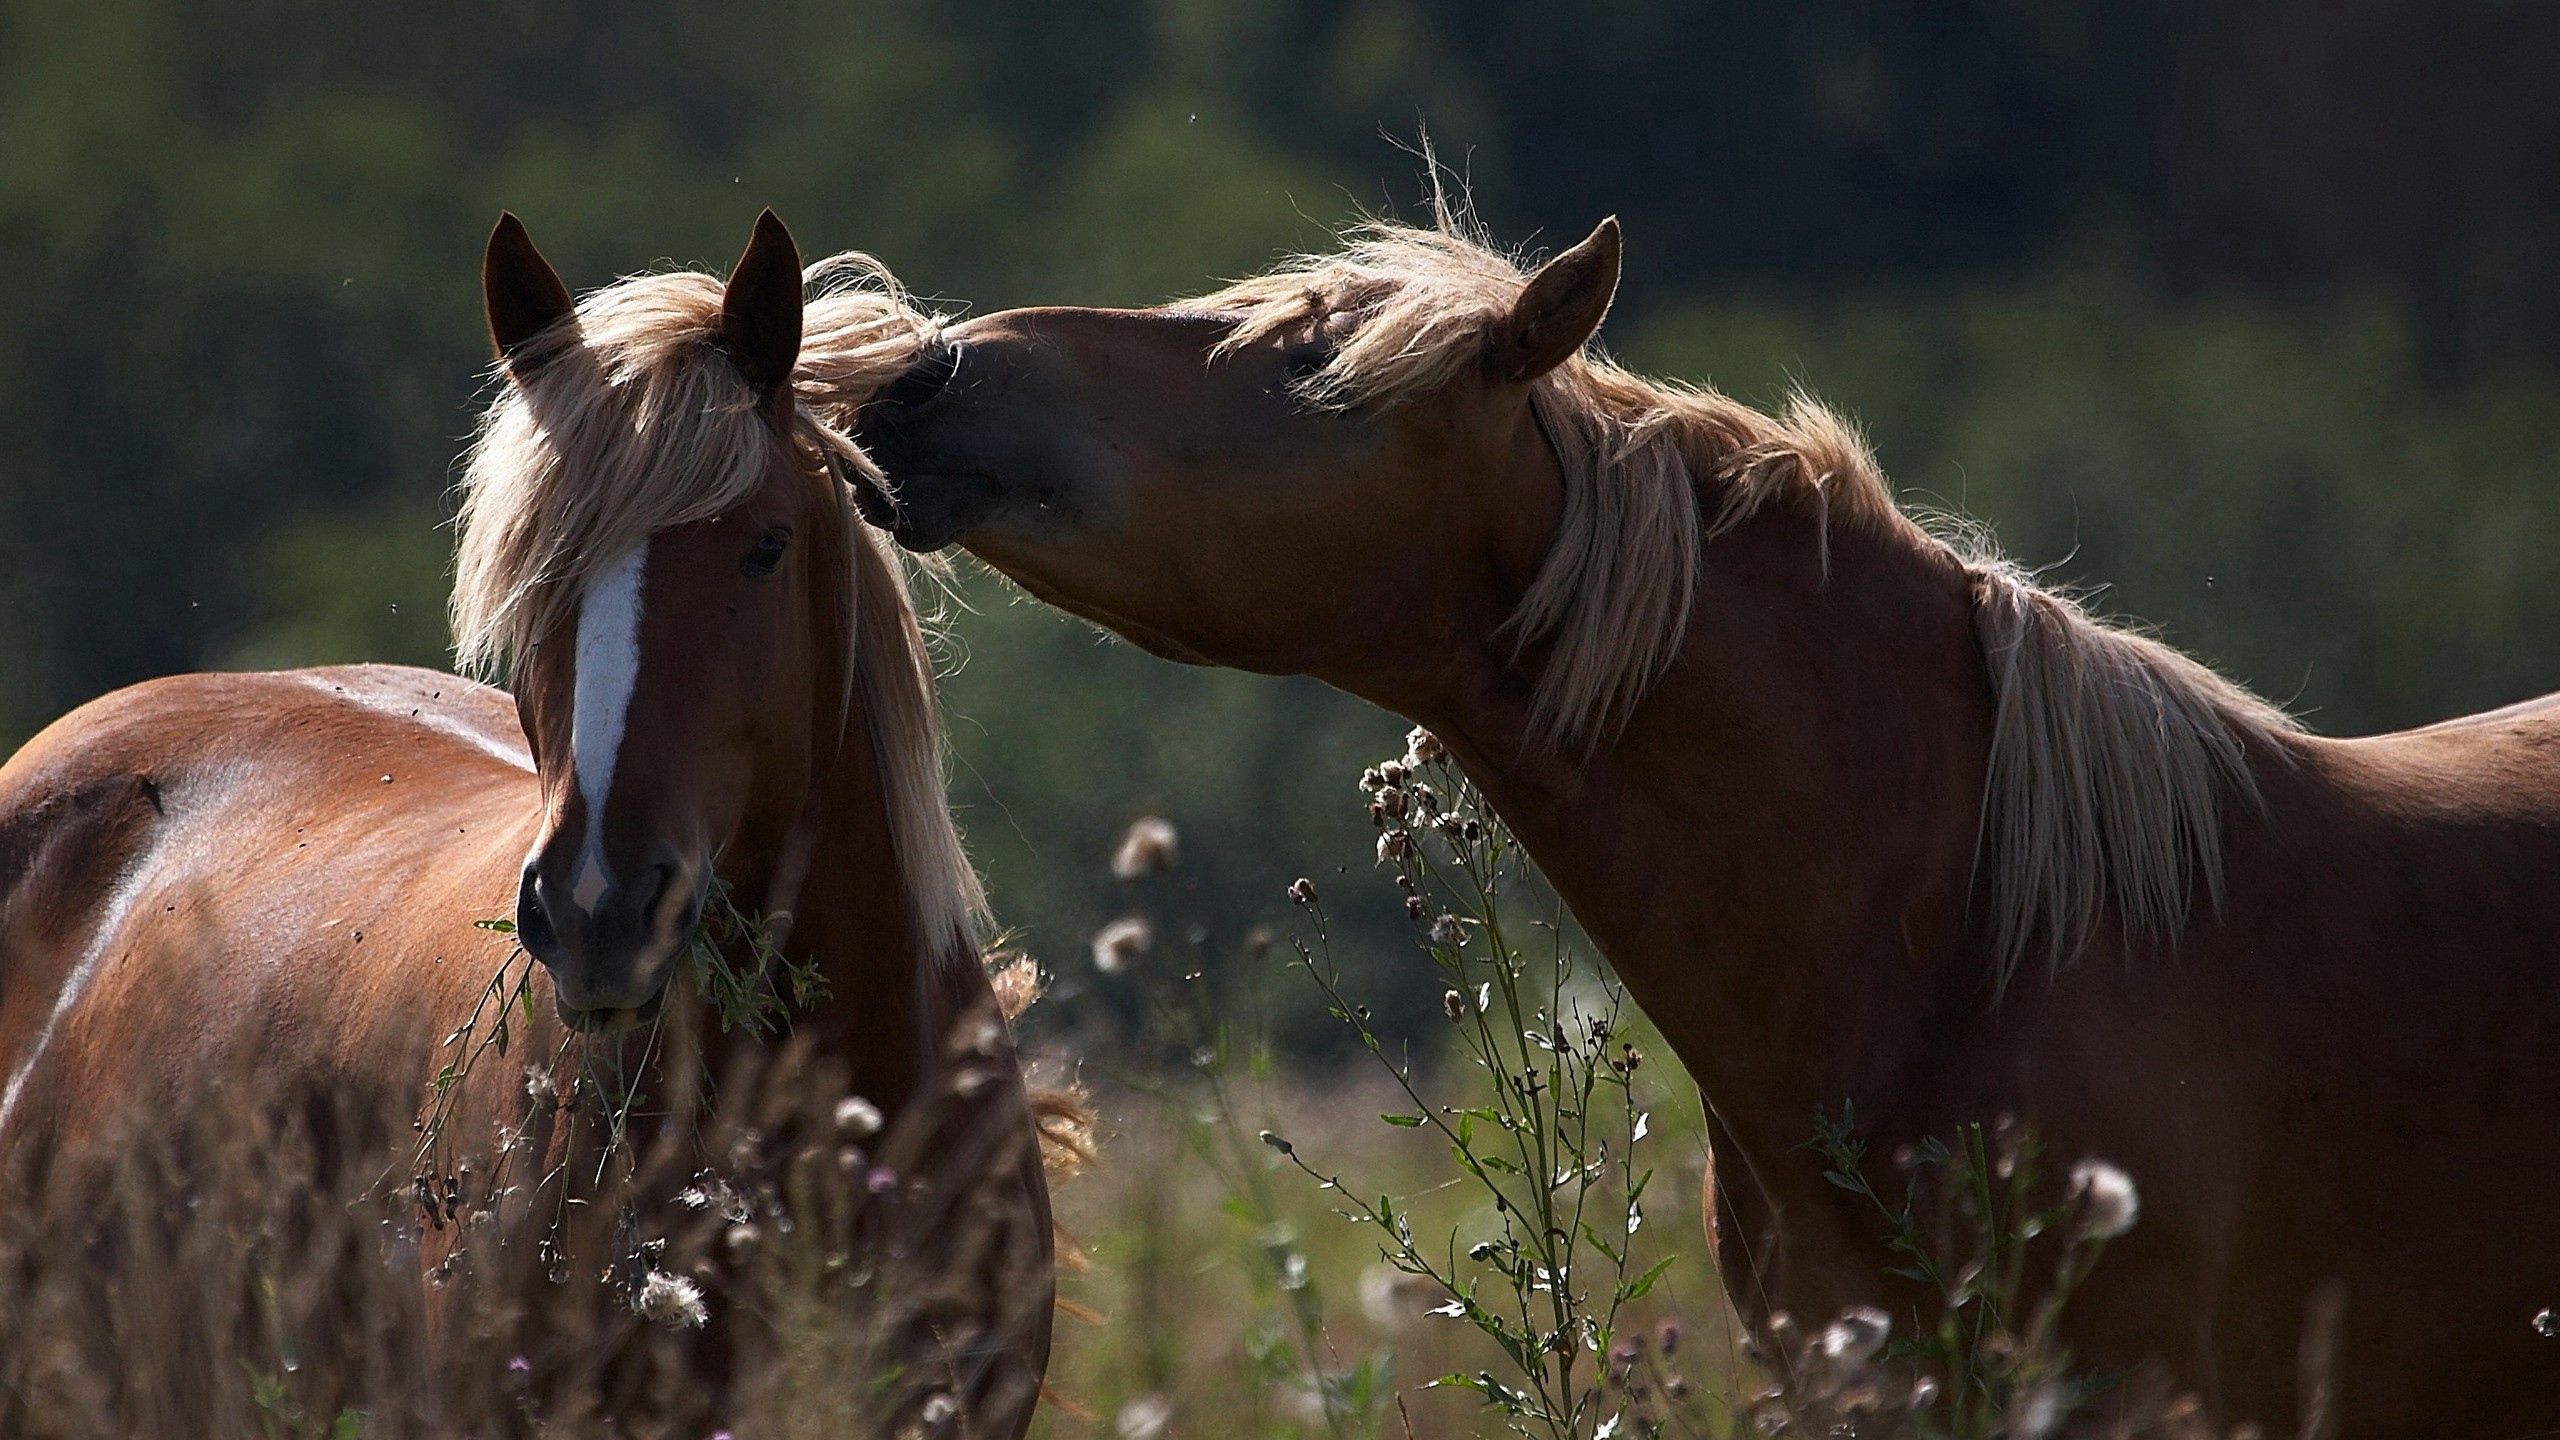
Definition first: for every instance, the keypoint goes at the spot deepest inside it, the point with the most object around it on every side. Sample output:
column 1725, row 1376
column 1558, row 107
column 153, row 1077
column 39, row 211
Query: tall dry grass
column 249, row 1268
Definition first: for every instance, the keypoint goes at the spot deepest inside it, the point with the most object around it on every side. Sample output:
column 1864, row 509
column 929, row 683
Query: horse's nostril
column 667, row 902
column 534, row 930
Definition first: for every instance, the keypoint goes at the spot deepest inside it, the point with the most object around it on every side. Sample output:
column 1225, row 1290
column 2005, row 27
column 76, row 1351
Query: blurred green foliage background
column 2251, row 310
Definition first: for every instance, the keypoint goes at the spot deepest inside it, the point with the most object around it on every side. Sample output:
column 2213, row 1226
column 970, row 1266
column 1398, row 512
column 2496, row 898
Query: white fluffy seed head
column 1122, row 943
column 2104, row 1199
column 858, row 1117
column 672, row 1301
column 1151, row 847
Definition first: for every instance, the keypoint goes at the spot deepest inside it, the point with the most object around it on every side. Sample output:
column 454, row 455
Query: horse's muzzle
column 610, row 962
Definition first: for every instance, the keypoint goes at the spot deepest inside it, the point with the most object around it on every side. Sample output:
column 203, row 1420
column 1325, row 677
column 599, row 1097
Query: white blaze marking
column 608, row 668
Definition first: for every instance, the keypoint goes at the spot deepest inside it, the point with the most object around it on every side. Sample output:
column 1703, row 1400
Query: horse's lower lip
column 923, row 540
column 928, row 527
column 604, row 1019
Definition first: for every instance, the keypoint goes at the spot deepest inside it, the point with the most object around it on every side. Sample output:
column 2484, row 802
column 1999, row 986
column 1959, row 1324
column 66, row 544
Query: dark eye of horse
column 767, row 555
column 925, row 379
column 1305, row 362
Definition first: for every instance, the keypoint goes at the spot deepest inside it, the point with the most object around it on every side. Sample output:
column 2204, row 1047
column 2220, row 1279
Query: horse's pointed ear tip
column 771, row 243
column 1598, row 251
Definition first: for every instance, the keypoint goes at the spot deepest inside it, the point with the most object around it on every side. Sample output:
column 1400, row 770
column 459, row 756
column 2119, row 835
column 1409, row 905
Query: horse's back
column 191, row 870
column 2542, row 711
column 2500, row 765
column 311, row 724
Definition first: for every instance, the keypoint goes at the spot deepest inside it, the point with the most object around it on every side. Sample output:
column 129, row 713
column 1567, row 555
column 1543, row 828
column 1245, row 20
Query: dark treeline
column 2252, row 310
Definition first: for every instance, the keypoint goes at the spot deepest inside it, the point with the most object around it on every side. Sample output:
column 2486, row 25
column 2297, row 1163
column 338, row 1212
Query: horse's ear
column 520, row 290
column 1560, row 308
column 760, row 314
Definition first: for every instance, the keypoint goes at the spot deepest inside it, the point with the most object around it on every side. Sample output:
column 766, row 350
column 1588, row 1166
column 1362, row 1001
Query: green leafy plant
column 1551, row 1137
column 737, row 966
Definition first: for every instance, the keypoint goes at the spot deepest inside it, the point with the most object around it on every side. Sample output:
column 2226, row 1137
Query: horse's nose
column 616, row 953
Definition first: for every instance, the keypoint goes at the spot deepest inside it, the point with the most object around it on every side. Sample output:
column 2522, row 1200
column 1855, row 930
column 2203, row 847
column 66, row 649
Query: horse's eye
column 1305, row 362
column 766, row 557
column 932, row 373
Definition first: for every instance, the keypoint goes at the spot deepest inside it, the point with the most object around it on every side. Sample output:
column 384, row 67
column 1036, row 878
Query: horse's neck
column 1776, row 853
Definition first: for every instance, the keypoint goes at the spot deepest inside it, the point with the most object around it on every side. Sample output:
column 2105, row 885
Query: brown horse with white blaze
column 1858, row 814
column 719, row 681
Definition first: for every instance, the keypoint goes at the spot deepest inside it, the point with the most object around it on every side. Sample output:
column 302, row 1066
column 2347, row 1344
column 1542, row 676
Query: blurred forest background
column 2251, row 311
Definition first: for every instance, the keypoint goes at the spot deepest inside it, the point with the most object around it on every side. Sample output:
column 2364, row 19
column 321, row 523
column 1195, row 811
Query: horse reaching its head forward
column 727, row 703
column 1860, row 815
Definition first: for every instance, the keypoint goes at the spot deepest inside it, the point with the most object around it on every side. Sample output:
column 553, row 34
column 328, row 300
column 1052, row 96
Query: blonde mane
column 2110, row 752
column 631, row 421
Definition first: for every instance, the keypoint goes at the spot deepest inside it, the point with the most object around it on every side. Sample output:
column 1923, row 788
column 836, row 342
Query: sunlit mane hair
column 2110, row 752
column 632, row 420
